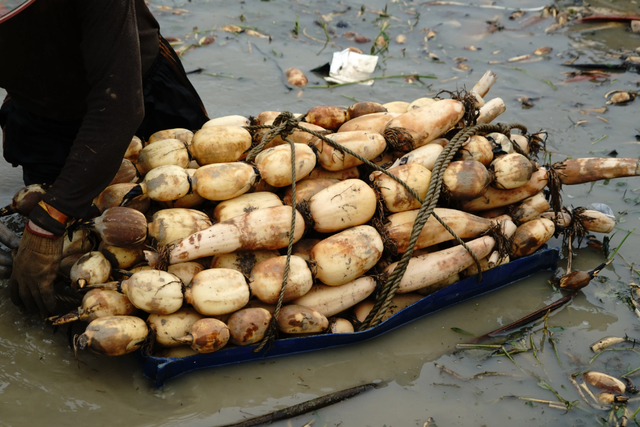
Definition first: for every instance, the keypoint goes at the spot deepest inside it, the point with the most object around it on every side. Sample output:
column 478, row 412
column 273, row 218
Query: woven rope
column 285, row 124
column 426, row 210
column 272, row 331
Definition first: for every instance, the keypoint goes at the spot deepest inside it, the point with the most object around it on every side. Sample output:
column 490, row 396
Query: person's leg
column 170, row 100
column 39, row 145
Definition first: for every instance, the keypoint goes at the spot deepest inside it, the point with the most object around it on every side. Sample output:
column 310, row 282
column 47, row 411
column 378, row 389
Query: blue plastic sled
column 161, row 369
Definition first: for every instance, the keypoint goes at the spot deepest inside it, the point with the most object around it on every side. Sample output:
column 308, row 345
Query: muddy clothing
column 81, row 75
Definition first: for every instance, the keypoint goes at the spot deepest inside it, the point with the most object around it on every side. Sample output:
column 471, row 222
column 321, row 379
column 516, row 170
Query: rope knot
column 285, row 124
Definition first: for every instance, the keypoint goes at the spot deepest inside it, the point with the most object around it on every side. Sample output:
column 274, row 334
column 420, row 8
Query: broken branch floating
column 303, row 408
column 527, row 319
column 551, row 403
column 473, row 377
column 483, row 6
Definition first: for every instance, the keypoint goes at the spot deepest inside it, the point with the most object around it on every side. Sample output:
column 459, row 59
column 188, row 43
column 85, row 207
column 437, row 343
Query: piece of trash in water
column 431, row 34
column 254, row 33
column 433, row 56
column 620, row 97
column 348, row 67
column 526, row 101
column 519, row 58
column 206, row 40
column 542, row 50
column 577, row 76
column 588, row 111
column 296, row 77
column 232, row 29
column 171, row 10
column 358, row 38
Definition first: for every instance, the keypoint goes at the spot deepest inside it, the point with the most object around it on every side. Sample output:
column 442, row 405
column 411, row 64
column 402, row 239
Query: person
column 82, row 77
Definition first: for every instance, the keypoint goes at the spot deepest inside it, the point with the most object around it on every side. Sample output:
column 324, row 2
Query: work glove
column 9, row 239
column 35, row 266
column 6, row 263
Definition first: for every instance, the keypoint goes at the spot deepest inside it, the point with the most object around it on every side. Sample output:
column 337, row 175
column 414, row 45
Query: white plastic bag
column 348, row 66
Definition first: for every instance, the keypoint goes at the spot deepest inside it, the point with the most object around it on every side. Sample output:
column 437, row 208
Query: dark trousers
column 41, row 145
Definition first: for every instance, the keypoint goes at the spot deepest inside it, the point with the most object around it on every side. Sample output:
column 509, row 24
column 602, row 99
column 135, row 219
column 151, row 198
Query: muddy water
column 41, row 382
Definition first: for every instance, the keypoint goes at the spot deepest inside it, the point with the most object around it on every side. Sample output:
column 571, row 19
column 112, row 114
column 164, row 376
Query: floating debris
column 579, row 76
column 206, row 40
column 485, row 6
column 610, row 398
column 254, row 33
column 348, row 66
column 296, row 77
column 433, row 56
column 519, row 58
column 608, row 341
column 232, row 29
column 431, row 34
column 473, row 377
column 604, row 382
column 358, row 38
column 304, row 407
column 527, row 102
column 620, row 97
column 171, row 10
column 542, row 50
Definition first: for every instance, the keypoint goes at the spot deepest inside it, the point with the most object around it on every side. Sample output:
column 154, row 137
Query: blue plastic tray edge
column 159, row 369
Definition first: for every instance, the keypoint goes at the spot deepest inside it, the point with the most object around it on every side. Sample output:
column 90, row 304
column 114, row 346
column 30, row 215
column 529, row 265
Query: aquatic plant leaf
column 463, row 332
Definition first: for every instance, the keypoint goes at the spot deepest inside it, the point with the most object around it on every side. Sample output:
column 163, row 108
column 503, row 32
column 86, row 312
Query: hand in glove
column 35, row 266
column 12, row 241
column 6, row 262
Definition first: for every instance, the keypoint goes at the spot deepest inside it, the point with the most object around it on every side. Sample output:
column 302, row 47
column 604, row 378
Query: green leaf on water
column 522, row 70
column 544, row 385
column 463, row 332
column 556, row 329
column 599, row 139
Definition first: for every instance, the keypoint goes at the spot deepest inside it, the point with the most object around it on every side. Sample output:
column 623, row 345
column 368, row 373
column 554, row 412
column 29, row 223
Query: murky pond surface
column 41, row 382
